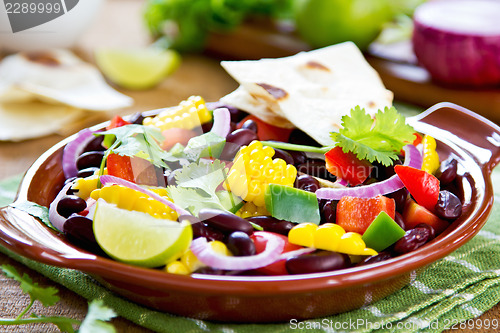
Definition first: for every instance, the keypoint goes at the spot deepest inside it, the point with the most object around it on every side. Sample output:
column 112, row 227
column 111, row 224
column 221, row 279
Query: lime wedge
column 137, row 69
column 138, row 238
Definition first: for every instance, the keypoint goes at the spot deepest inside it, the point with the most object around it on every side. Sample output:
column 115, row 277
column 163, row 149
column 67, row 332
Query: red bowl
column 470, row 138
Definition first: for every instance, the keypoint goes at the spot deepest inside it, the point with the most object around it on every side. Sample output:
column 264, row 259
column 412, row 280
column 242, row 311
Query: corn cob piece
column 188, row 114
column 254, row 169
column 127, row 198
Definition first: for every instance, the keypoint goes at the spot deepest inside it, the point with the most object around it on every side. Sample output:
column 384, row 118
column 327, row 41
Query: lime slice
column 138, row 238
column 137, row 69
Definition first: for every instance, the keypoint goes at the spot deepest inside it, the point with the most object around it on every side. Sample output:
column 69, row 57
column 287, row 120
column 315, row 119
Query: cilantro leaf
column 137, row 140
column 34, row 210
column 197, row 185
column 47, row 296
column 205, row 176
column 95, row 321
column 379, row 139
column 205, row 145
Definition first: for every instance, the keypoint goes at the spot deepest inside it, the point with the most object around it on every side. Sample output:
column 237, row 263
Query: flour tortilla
column 57, row 76
column 21, row 121
column 311, row 90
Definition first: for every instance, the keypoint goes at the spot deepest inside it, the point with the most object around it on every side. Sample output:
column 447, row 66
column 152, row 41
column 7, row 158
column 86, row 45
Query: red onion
column 72, row 150
column 54, row 217
column 413, row 158
column 296, row 253
column 458, row 41
column 274, row 247
column 222, row 122
column 107, row 179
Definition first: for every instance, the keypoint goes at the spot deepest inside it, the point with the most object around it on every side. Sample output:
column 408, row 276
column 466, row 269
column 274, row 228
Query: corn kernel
column 177, row 267
column 188, row 114
column 249, row 209
column 253, row 169
column 127, row 198
column 85, row 186
column 430, row 161
column 191, row 262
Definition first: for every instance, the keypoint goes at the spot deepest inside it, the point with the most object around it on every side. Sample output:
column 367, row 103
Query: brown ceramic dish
column 471, row 139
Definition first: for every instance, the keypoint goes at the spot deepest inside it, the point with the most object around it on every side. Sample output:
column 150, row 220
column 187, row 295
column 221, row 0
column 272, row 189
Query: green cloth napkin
column 460, row 287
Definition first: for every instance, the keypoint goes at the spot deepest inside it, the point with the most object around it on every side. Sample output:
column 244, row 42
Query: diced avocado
column 382, row 232
column 291, row 204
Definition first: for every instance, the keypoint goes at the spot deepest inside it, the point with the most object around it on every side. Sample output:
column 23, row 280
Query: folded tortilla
column 310, row 90
column 57, row 76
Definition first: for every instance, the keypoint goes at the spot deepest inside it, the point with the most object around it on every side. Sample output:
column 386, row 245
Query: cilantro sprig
column 374, row 139
column 197, row 187
column 379, row 139
column 94, row 322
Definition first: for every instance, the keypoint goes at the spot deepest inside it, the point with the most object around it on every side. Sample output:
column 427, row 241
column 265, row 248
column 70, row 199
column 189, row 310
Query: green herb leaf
column 34, row 210
column 95, row 321
column 205, row 145
column 379, row 139
column 197, row 185
column 47, row 296
column 138, row 140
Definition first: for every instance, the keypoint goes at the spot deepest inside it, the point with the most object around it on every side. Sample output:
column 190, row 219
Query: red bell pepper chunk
column 120, row 166
column 356, row 214
column 347, row 166
column 414, row 214
column 423, row 186
column 278, row 267
column 117, row 121
column 266, row 131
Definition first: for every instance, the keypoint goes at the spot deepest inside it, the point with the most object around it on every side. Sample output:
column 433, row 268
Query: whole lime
column 326, row 22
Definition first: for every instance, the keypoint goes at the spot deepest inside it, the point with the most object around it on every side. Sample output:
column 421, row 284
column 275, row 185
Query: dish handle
column 463, row 128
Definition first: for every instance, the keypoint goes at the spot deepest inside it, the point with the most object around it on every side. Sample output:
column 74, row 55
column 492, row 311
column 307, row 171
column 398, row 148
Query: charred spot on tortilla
column 276, row 92
column 372, row 104
column 316, row 65
column 42, row 58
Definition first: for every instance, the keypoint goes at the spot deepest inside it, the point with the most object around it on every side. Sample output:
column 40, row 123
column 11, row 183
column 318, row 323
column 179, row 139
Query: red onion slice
column 413, row 158
column 107, row 179
column 54, row 217
column 72, row 150
column 296, row 253
column 222, row 122
column 274, row 247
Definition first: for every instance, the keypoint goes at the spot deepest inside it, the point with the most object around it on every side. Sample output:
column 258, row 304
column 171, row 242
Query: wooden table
column 118, row 24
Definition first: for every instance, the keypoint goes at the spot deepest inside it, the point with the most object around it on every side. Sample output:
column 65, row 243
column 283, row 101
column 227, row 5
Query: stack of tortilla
column 310, row 90
column 44, row 92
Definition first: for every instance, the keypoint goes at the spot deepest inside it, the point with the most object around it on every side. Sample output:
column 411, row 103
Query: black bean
column 400, row 197
column 80, row 228
column 224, row 221
column 87, row 172
column 448, row 171
column 412, row 240
column 250, row 125
column 234, row 141
column 206, row 127
column 398, row 218
column 241, row 137
column 136, row 118
column 329, row 212
column 317, row 168
column 200, row 229
column 269, row 223
column 449, row 206
column 89, row 159
column 210, row 271
column 432, row 232
column 240, row 244
column 284, row 155
column 299, row 157
column 307, row 183
column 95, row 144
column 322, row 261
column 70, row 204
column 381, row 256
column 300, row 138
